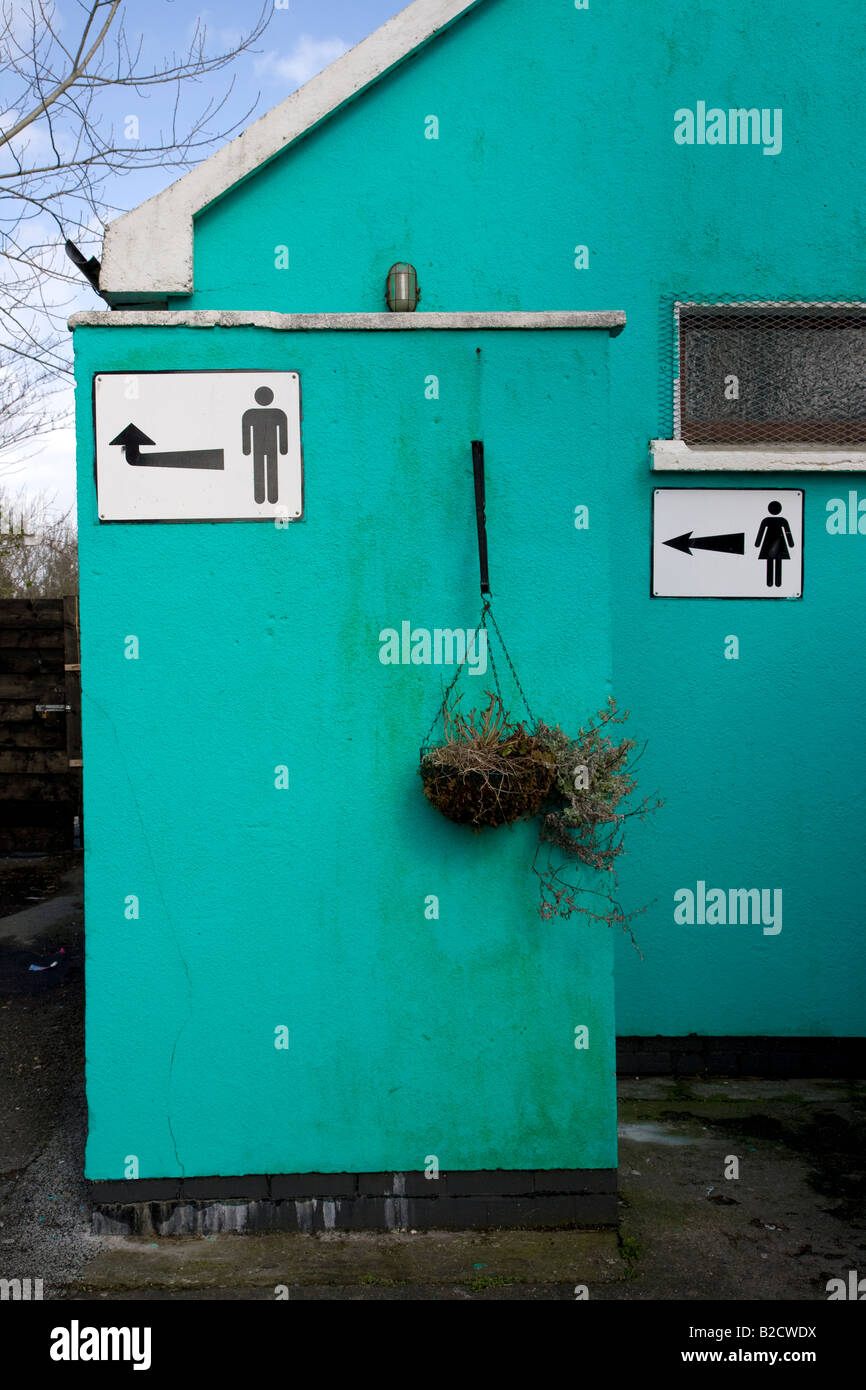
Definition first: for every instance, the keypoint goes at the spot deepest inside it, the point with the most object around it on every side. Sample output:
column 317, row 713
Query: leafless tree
column 28, row 394
column 38, row 548
column 60, row 151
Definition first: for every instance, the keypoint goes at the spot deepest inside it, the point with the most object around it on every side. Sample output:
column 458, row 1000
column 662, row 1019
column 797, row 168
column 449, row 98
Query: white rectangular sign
column 198, row 446
column 711, row 542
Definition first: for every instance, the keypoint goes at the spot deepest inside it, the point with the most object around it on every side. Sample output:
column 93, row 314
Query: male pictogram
column 265, row 436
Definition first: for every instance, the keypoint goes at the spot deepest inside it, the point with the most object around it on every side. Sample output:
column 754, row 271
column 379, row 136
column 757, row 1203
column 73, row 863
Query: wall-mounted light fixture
column 401, row 288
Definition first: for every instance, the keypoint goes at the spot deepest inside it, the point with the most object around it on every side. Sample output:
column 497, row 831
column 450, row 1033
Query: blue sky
column 299, row 42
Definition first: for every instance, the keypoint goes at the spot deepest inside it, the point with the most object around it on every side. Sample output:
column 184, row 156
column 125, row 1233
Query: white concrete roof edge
column 675, row 456
column 150, row 249
column 300, row 323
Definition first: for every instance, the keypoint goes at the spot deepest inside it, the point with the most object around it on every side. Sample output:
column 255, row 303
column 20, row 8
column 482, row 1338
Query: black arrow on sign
column 732, row 544
column 132, row 438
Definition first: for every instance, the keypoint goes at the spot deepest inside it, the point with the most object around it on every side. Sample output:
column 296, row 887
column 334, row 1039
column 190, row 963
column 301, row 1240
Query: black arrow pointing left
column 734, row 543
column 132, row 438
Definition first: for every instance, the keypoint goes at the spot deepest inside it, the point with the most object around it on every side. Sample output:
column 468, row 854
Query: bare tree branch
column 60, row 159
column 76, row 74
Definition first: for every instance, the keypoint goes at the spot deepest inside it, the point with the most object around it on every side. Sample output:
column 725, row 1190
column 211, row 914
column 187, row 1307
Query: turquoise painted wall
column 259, row 647
column 556, row 130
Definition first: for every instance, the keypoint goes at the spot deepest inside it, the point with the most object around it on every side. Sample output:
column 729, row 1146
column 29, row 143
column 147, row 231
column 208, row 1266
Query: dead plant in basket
column 489, row 770
column 492, row 771
column 583, row 819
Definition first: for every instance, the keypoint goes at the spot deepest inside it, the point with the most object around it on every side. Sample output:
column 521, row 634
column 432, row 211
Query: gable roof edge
column 149, row 251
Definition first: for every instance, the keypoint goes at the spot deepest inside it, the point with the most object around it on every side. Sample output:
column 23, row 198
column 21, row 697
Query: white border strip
column 611, row 319
column 674, row 456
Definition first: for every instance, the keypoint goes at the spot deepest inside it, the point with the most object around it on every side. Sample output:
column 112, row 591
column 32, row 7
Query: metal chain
column 483, row 624
column 441, row 710
column 486, row 609
column 532, row 718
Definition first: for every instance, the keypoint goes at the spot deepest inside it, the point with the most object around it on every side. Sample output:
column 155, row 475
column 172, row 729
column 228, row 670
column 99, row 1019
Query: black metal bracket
column 481, row 519
column 89, row 269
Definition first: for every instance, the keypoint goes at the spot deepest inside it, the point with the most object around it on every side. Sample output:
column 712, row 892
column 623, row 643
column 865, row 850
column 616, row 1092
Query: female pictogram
column 776, row 536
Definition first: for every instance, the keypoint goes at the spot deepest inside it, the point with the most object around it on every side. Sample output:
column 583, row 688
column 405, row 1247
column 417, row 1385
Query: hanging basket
column 494, row 772
column 477, row 785
column 490, row 769
column 498, row 771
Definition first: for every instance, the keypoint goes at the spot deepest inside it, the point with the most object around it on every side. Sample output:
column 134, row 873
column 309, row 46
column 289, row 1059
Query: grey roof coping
column 611, row 319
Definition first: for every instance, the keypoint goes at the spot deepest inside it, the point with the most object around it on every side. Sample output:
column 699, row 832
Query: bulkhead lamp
column 401, row 288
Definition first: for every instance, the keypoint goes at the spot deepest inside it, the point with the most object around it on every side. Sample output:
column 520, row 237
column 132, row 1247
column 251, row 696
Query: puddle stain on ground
column 654, row 1134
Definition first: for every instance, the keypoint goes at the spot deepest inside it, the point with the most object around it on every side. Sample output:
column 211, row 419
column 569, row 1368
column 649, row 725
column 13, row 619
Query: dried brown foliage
column 491, row 771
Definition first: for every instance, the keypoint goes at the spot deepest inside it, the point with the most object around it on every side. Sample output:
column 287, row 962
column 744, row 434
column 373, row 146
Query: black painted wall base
column 697, row 1055
column 454, row 1201
column 356, row 1202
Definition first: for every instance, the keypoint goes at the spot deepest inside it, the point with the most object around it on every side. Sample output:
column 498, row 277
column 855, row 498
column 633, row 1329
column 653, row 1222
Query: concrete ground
column 729, row 1189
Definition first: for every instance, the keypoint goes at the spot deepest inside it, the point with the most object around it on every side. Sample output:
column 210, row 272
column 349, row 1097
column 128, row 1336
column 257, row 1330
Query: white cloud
column 46, row 466
column 34, row 139
column 308, row 56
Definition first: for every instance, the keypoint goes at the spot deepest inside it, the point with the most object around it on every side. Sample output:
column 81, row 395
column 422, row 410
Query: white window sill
column 675, row 456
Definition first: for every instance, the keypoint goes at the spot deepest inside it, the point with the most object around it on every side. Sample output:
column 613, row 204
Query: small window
column 759, row 373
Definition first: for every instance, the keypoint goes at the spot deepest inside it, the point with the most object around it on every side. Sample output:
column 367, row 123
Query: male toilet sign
column 198, row 446
column 265, row 435
column 727, row 543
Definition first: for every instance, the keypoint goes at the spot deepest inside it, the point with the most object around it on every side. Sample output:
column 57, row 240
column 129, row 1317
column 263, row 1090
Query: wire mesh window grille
column 748, row 371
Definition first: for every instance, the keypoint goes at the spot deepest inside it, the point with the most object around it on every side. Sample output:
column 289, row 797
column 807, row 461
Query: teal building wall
column 259, row 646
column 556, row 130
column 306, row 907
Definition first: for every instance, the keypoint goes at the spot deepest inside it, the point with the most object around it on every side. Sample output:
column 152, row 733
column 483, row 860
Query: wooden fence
column 40, row 724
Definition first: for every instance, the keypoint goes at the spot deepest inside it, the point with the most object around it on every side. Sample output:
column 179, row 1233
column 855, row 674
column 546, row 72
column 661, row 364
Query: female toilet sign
column 727, row 543
column 774, row 537
column 198, row 446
